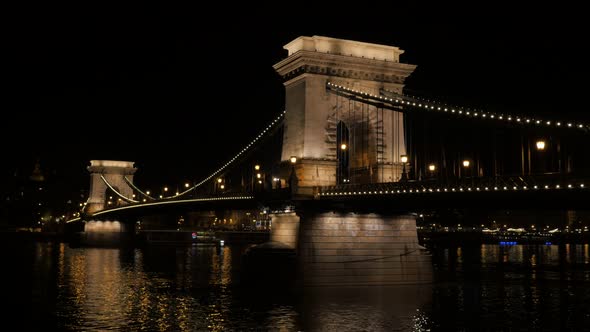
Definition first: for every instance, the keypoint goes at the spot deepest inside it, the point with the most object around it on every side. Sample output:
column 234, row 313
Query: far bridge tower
column 114, row 172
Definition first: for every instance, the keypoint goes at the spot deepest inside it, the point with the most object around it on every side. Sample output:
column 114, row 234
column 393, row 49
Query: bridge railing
column 553, row 181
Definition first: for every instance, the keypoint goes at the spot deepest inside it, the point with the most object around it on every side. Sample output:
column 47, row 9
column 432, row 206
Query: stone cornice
column 111, row 170
column 337, row 65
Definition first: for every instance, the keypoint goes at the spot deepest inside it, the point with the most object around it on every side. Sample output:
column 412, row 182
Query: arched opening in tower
column 343, row 153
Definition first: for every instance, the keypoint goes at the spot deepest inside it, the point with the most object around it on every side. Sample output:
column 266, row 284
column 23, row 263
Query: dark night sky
column 178, row 90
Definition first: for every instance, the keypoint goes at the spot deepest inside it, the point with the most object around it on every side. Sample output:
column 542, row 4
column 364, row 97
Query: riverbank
column 478, row 237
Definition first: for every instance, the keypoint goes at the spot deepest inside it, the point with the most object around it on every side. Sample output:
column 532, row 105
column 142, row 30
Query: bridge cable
column 138, row 190
column 275, row 123
column 394, row 101
column 354, row 139
column 128, row 200
column 339, row 142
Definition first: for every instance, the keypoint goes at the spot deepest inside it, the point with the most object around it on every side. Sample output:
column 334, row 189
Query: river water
column 50, row 286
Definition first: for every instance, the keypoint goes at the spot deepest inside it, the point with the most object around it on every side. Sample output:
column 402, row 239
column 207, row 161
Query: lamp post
column 219, row 185
column 432, row 170
column 293, row 176
column 466, row 164
column 540, row 144
column 404, row 160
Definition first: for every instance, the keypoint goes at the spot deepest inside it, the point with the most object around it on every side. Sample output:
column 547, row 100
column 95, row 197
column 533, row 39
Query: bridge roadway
column 483, row 193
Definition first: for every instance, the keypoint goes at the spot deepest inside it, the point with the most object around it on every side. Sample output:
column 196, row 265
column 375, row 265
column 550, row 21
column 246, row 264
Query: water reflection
column 199, row 288
column 366, row 308
column 524, row 287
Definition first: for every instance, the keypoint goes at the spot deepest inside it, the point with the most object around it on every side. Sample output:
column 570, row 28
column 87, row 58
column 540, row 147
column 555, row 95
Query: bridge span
column 343, row 170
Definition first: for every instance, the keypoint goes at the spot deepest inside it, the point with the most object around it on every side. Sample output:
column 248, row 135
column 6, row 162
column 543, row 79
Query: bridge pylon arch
column 114, row 172
column 312, row 111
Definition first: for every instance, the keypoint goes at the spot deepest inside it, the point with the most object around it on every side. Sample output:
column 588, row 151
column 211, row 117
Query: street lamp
column 293, row 176
column 540, row 144
column 432, row 169
column 343, row 146
column 404, row 160
column 466, row 164
column 257, row 167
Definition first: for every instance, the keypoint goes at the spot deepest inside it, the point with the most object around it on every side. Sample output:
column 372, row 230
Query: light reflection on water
column 489, row 287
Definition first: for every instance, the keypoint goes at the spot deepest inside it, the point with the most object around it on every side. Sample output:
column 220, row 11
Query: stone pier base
column 285, row 229
column 107, row 233
column 361, row 249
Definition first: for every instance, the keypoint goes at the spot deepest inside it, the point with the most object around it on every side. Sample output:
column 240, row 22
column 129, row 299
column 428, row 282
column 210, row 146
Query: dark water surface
column 50, row 286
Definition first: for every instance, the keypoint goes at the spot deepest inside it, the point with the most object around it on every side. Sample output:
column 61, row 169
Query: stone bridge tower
column 114, row 172
column 315, row 116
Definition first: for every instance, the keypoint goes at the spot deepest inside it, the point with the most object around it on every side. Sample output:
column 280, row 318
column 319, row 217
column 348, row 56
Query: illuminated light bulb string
column 161, row 202
column 391, row 190
column 138, row 190
column 277, row 121
column 404, row 100
column 128, row 200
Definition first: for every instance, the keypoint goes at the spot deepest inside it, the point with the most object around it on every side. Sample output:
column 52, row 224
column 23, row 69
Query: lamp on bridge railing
column 540, row 162
column 220, row 185
column 432, row 170
column 404, row 160
column 466, row 166
column 293, row 175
